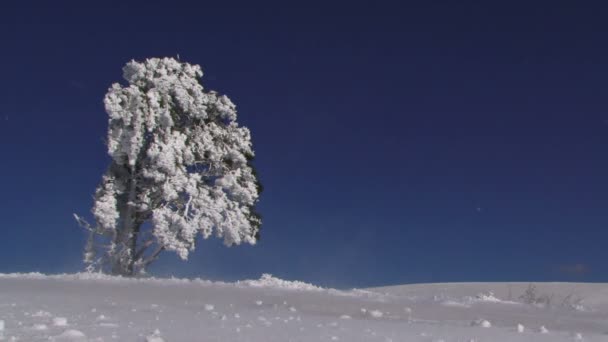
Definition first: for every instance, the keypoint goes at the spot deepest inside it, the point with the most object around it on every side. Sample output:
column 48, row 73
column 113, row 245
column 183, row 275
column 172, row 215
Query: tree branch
column 152, row 257
column 84, row 224
column 142, row 249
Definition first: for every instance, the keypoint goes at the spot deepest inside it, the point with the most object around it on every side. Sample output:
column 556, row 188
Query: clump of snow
column 345, row 317
column 42, row 313
column 60, row 321
column 267, row 280
column 520, row 328
column 580, row 307
column 154, row 337
column 375, row 313
column 543, row 330
column 259, row 302
column 489, row 297
column 481, row 323
column 39, row 326
column 1, row 325
column 209, row 307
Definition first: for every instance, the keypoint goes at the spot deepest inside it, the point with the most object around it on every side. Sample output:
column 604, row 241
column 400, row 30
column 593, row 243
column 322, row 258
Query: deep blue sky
column 417, row 142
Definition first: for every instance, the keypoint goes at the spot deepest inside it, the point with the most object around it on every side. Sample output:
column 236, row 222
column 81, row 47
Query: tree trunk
column 126, row 239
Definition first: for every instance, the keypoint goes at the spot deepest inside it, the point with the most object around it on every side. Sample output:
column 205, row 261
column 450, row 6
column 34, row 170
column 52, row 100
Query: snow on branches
column 181, row 165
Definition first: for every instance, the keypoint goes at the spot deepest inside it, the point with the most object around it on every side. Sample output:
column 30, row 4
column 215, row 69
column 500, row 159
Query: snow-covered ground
column 88, row 307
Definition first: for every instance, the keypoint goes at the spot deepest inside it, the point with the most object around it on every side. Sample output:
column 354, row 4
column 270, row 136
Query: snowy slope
column 85, row 307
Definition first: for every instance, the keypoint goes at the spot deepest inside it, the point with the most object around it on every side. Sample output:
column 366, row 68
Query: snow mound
column 268, row 281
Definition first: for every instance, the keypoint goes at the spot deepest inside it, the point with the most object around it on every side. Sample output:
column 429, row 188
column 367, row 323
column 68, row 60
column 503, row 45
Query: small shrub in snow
column 573, row 302
column 532, row 297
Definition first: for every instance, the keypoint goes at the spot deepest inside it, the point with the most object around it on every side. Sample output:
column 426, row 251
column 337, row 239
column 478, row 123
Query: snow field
column 87, row 308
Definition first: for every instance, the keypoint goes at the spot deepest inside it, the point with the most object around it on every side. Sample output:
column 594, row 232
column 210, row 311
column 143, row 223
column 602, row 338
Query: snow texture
column 93, row 307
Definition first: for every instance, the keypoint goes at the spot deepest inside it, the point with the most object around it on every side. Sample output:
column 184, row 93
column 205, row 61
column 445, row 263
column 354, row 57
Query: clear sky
column 397, row 142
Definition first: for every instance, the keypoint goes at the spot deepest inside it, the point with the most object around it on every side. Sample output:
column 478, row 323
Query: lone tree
column 181, row 165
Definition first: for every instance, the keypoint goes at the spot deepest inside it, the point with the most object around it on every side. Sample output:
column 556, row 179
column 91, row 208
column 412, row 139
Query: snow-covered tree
column 180, row 166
